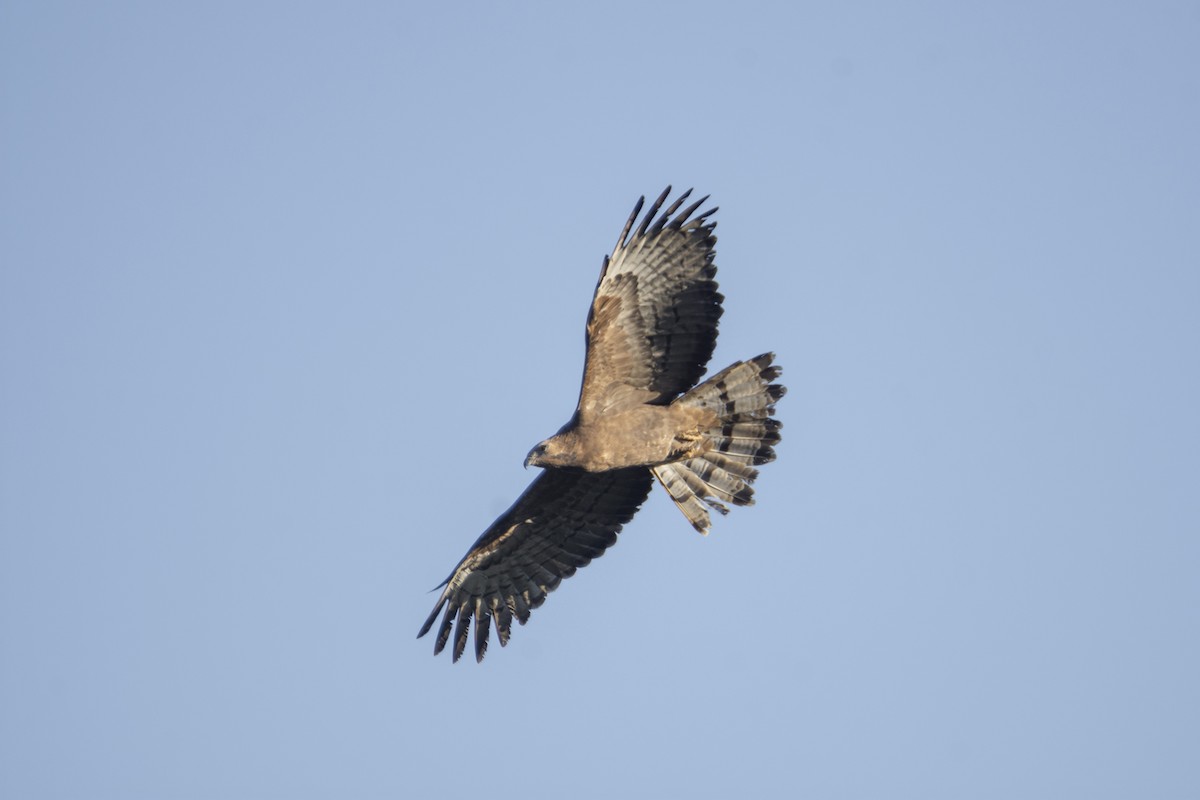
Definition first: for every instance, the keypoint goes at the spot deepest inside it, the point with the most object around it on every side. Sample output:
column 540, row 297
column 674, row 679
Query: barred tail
column 743, row 397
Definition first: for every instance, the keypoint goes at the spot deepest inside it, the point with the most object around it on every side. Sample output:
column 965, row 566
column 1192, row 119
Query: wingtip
column 624, row 237
column 430, row 620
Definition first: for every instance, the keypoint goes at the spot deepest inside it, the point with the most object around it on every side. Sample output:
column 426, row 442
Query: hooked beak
column 534, row 454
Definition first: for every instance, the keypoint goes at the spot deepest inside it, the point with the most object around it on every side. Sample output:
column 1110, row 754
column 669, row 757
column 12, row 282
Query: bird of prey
column 641, row 415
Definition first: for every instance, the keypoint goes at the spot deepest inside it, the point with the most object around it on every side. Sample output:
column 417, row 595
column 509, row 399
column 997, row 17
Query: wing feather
column 563, row 520
column 653, row 323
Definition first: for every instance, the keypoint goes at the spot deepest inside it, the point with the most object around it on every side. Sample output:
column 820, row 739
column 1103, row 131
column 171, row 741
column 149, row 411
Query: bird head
column 536, row 455
column 557, row 451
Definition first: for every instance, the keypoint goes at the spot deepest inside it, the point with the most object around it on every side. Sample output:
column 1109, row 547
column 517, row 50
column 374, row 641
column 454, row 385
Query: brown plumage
column 650, row 333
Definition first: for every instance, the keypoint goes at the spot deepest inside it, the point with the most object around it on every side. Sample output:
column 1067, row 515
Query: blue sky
column 287, row 291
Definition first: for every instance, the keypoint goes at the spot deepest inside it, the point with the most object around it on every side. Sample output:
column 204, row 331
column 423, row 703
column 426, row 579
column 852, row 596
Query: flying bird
column 641, row 415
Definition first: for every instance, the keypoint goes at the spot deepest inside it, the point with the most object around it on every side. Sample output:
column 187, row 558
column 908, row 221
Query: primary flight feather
column 641, row 415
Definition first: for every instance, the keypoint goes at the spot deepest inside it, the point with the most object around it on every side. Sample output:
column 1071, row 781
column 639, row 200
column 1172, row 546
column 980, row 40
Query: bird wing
column 653, row 322
column 561, row 522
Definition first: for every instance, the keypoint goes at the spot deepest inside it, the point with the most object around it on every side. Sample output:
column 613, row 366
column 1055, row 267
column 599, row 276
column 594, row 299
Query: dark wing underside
column 562, row 521
column 653, row 322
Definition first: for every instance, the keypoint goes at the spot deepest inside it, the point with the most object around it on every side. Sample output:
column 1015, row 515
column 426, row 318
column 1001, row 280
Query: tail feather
column 721, row 483
column 735, row 465
column 746, row 451
column 743, row 398
column 686, row 489
column 765, row 430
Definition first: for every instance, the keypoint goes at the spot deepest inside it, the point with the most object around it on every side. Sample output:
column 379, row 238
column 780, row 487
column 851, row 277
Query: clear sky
column 287, row 291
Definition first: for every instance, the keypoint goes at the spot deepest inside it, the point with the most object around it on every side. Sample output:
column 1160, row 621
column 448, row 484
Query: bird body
column 643, row 435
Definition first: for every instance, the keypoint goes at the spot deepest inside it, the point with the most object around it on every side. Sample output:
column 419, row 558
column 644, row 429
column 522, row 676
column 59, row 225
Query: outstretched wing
column 653, row 323
column 562, row 521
